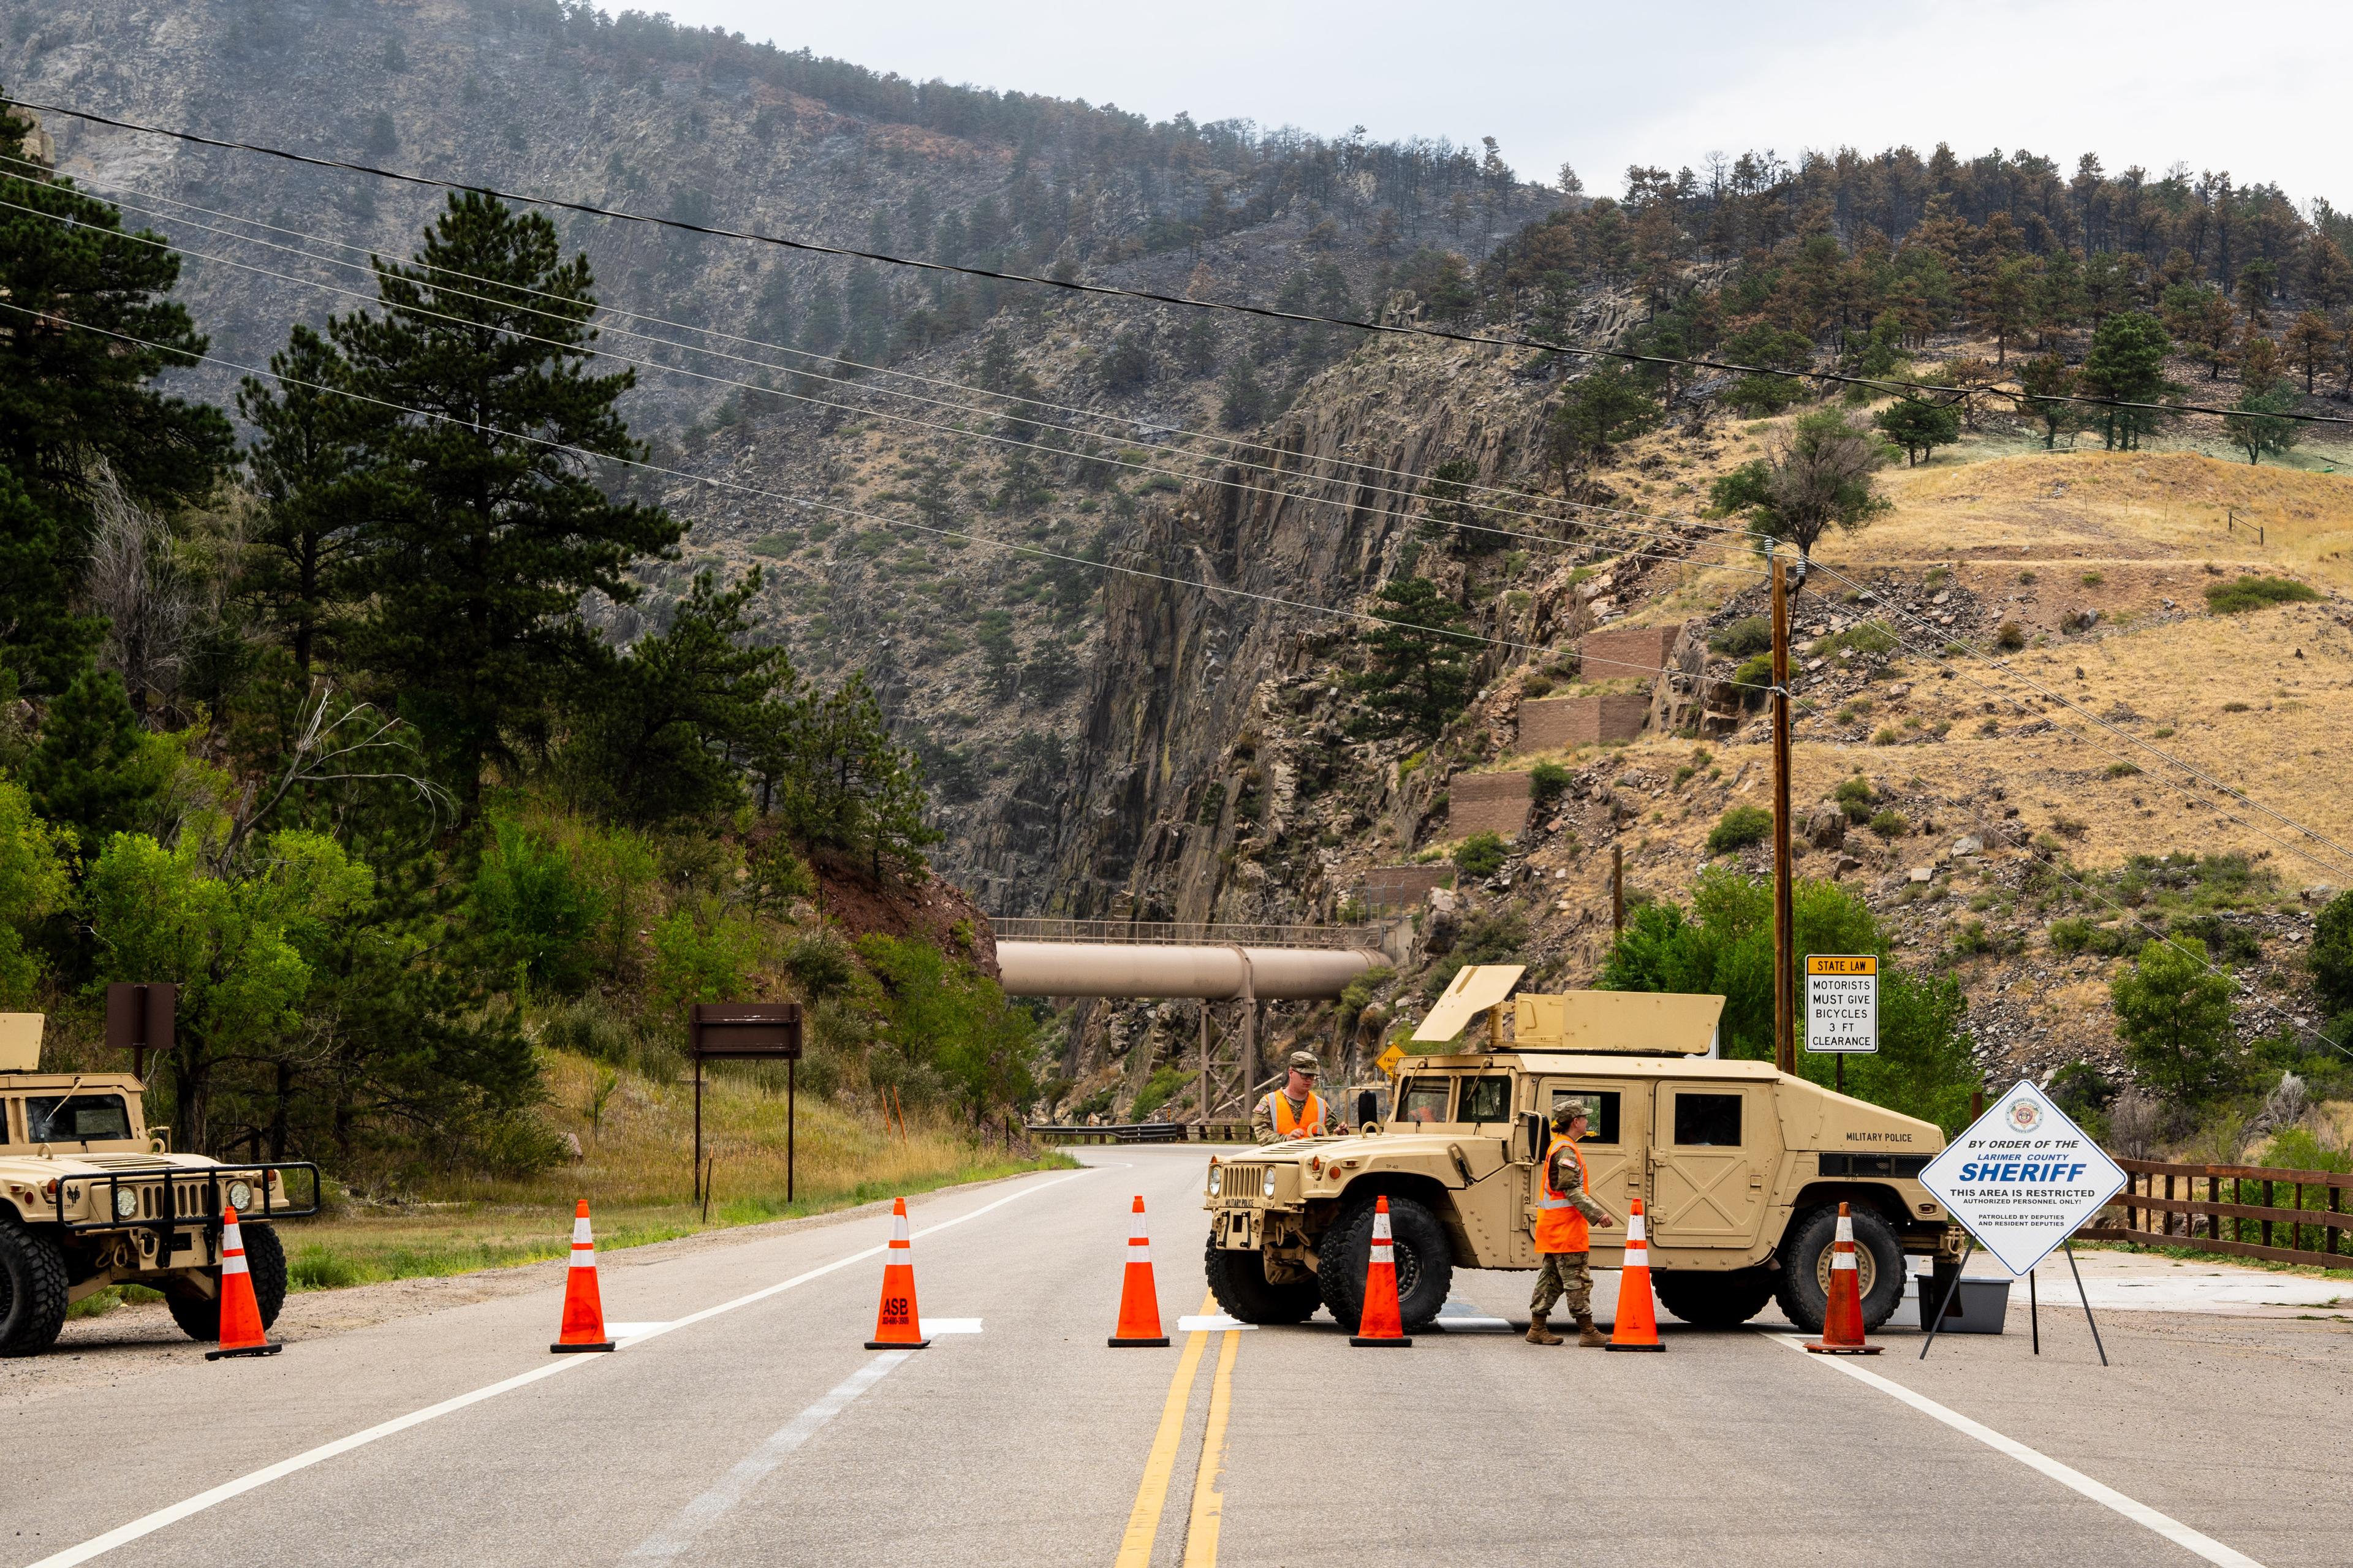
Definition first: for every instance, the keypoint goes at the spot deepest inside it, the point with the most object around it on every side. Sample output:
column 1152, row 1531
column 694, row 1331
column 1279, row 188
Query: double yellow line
column 1209, row 1479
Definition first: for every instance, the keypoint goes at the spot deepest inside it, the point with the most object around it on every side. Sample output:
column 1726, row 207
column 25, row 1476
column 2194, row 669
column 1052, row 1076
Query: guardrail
column 1143, row 1132
column 1182, row 934
column 2311, row 1228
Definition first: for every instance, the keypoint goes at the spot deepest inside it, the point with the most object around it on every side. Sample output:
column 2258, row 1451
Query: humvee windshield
column 1486, row 1099
column 76, row 1117
column 1424, row 1098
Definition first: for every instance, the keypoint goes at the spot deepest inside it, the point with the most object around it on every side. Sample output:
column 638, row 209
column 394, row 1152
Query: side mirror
column 1529, row 1144
column 1368, row 1106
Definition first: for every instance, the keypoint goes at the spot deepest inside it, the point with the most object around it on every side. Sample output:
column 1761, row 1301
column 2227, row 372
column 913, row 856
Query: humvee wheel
column 1719, row 1301
column 265, row 1259
column 32, row 1291
column 1803, row 1285
column 1239, row 1281
column 1425, row 1263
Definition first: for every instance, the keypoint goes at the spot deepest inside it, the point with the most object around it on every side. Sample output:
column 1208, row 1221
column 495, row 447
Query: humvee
column 91, row 1197
column 1740, row 1168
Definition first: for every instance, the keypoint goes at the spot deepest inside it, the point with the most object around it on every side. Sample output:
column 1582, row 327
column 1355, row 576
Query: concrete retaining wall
column 1486, row 802
column 1560, row 722
column 1396, row 886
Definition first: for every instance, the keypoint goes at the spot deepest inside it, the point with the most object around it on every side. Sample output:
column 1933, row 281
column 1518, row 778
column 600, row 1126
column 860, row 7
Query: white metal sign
column 1841, row 1002
column 2023, row 1178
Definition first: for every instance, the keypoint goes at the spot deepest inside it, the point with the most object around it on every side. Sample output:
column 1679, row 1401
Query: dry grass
column 635, row 1171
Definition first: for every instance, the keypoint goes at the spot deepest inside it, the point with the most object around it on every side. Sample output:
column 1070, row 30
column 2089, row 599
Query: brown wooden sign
column 139, row 1019
column 769, row 1029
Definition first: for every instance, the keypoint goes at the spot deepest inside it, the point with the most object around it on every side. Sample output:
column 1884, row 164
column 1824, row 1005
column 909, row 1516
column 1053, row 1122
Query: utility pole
column 1618, row 889
column 1785, row 936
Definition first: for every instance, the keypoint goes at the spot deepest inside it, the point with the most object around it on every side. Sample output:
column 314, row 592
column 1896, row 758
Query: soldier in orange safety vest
column 1563, row 1214
column 1295, row 1110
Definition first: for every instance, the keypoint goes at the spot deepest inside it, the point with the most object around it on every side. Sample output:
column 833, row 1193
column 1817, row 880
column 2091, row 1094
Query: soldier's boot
column 1588, row 1336
column 1539, row 1334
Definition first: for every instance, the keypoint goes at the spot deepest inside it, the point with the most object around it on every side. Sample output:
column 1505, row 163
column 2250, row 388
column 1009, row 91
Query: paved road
column 755, row 1428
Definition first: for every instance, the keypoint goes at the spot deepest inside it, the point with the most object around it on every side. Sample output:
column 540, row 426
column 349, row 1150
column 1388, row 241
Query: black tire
column 1239, row 1281
column 1425, row 1263
column 32, row 1291
column 1719, row 1301
column 1803, row 1285
column 265, row 1260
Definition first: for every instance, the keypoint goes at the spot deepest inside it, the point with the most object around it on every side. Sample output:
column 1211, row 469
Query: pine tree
column 2127, row 362
column 478, row 526
column 95, row 769
column 1417, row 672
column 298, row 568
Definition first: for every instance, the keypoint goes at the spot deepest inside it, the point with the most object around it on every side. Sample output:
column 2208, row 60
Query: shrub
column 2123, row 770
column 1855, row 798
column 2093, row 579
column 1480, row 856
column 1738, row 828
column 2235, row 707
column 2177, row 1018
column 1749, row 634
column 2255, row 593
column 1536, row 686
column 2331, row 958
column 1890, row 824
column 1886, row 735
column 1548, row 782
column 2010, row 637
column 1753, row 679
column 1157, row 1091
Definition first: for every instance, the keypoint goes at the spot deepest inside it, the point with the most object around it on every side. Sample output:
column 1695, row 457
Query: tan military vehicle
column 91, row 1197
column 1740, row 1168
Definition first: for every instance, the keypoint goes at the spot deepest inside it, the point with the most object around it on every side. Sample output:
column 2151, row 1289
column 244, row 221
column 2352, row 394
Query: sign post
column 770, row 1030
column 1841, row 1007
column 2022, row 1179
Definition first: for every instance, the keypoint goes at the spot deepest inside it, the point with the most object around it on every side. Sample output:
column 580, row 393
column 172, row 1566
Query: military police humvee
column 91, row 1197
column 1740, row 1169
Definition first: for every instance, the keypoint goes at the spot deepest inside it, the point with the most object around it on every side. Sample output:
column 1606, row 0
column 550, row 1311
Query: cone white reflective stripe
column 1380, row 1225
column 1636, row 1231
column 233, row 1263
column 1139, row 1250
column 1845, row 1230
column 1844, row 1258
column 580, row 1236
column 899, row 1230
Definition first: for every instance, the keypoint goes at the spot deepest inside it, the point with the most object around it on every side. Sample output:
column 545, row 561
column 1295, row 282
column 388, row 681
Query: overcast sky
column 2251, row 87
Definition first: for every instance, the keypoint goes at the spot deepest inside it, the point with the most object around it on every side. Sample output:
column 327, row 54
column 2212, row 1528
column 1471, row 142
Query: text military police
column 1295, row 1110
column 1564, row 1213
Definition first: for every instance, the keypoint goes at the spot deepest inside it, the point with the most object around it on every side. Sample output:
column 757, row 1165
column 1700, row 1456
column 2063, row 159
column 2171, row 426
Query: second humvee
column 1740, row 1168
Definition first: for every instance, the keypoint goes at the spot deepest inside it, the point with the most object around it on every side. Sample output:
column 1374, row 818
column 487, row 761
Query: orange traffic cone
column 1842, row 1317
column 898, row 1325
column 1378, row 1325
column 1139, row 1303
column 240, row 1315
column 583, row 1308
column 1637, row 1328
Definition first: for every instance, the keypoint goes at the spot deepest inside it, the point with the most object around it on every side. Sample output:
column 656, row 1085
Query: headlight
column 126, row 1203
column 1267, row 1190
column 1217, row 1180
column 240, row 1196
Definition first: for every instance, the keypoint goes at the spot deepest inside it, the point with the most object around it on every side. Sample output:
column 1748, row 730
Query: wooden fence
column 2241, row 1211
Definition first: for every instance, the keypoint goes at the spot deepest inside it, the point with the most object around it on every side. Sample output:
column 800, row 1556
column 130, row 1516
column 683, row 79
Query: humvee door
column 1616, row 1148
column 1714, row 1146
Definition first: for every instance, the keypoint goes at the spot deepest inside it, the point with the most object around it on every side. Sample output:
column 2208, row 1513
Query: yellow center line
column 1143, row 1521
column 1209, row 1482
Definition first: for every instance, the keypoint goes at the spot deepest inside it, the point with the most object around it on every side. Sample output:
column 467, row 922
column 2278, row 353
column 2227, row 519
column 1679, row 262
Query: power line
column 1897, row 387
column 1039, row 552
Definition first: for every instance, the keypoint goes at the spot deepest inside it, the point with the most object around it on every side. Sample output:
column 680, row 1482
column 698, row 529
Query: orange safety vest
column 1310, row 1115
column 1559, row 1227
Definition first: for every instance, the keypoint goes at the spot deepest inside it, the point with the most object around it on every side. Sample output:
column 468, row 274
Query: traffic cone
column 1637, row 1328
column 584, row 1307
column 898, row 1325
column 1842, row 1317
column 1139, row 1303
column 240, row 1315
column 1378, row 1326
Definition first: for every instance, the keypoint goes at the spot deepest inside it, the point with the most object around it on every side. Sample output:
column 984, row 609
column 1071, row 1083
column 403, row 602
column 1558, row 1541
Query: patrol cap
column 1304, row 1064
column 1568, row 1111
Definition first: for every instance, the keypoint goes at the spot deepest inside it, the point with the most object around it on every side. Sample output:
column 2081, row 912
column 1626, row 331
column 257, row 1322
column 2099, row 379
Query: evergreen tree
column 301, row 461
column 1417, row 665
column 477, row 525
column 2258, row 424
column 1918, row 427
column 843, row 784
column 95, row 769
column 1597, row 413
column 2126, row 362
column 82, row 302
column 2047, row 378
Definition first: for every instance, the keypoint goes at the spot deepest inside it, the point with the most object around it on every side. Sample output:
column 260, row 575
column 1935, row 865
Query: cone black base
column 1633, row 1347
column 272, row 1348
column 1359, row 1341
column 898, row 1344
column 1117, row 1343
column 567, row 1349
column 1845, row 1350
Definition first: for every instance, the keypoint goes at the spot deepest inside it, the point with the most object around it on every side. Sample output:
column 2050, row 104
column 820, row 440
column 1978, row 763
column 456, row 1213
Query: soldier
column 1295, row 1110
column 1563, row 1210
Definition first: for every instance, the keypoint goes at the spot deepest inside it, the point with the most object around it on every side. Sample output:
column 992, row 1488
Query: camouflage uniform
column 1262, row 1114
column 1568, row 1276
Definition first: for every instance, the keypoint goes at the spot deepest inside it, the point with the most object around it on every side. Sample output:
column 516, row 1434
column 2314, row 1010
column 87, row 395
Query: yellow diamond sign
column 1386, row 1062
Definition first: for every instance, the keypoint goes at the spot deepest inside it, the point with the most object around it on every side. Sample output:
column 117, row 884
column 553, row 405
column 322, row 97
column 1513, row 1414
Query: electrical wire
column 1903, row 388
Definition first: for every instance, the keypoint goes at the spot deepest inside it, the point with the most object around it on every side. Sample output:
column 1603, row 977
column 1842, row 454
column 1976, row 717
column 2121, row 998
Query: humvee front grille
column 1243, row 1183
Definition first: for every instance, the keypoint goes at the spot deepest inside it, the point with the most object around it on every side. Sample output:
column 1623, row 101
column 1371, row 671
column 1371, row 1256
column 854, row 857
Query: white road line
column 2141, row 1513
column 672, row 1540
column 148, row 1524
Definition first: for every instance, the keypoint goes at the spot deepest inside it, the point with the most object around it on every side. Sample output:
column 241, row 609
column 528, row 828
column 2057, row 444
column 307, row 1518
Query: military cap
column 1568, row 1111
column 1304, row 1063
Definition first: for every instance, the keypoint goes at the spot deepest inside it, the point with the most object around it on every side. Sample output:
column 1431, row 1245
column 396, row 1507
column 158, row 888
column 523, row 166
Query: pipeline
column 1138, row 969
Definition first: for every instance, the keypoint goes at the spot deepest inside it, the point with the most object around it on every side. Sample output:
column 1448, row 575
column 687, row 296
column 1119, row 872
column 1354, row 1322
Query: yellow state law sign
column 1842, row 1003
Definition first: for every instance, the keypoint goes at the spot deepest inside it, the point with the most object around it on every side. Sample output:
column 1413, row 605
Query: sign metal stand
column 740, row 1030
